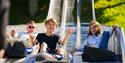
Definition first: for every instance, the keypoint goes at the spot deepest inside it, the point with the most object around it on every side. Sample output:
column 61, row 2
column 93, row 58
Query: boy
column 29, row 35
column 49, row 40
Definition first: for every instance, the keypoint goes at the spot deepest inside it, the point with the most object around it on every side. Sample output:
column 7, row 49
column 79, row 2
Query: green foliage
column 86, row 13
column 110, row 12
column 43, row 7
column 19, row 11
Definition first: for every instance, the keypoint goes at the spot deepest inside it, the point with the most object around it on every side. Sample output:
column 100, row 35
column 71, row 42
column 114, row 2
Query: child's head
column 94, row 28
column 31, row 26
column 51, row 25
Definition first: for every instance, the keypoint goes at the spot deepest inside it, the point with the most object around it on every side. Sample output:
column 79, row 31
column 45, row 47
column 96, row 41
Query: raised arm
column 68, row 33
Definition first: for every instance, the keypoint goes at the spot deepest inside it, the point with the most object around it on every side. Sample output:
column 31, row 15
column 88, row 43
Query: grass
column 111, row 12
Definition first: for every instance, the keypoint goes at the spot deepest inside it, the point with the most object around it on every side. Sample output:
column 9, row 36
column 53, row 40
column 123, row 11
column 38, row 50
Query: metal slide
column 121, row 39
column 61, row 10
column 55, row 9
column 67, row 9
column 78, row 23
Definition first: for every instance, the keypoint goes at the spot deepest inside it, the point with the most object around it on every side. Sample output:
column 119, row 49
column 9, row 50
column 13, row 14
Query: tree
column 33, row 4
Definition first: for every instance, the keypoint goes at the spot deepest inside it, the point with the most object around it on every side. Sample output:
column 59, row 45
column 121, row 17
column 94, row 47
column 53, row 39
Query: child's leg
column 60, row 51
column 43, row 55
column 60, row 54
column 43, row 47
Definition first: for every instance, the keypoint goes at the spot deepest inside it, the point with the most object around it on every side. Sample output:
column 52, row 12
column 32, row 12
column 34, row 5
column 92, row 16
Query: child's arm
column 81, row 47
column 68, row 33
column 31, row 38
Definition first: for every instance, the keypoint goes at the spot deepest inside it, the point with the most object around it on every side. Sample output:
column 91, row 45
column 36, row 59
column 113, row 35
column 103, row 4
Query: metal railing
column 121, row 38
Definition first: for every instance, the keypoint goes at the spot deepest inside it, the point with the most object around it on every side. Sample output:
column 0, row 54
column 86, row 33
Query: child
column 22, row 40
column 92, row 46
column 29, row 35
column 49, row 40
column 94, row 36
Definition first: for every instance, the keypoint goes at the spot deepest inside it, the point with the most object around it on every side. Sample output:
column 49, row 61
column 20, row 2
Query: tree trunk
column 4, row 11
column 33, row 7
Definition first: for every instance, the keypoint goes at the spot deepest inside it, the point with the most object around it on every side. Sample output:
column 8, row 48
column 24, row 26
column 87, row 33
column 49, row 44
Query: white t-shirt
column 24, row 35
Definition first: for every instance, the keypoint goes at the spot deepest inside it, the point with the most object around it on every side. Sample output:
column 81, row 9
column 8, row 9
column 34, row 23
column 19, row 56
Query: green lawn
column 110, row 12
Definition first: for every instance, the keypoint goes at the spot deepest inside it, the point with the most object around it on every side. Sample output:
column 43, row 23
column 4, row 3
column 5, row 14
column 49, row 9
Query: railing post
column 78, row 23
column 93, row 11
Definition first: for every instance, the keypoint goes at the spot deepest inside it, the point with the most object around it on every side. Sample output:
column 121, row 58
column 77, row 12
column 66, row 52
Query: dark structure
column 4, row 11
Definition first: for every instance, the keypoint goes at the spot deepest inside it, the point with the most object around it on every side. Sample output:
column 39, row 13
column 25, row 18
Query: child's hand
column 114, row 27
column 31, row 37
column 73, row 51
column 13, row 32
column 35, row 49
column 69, row 31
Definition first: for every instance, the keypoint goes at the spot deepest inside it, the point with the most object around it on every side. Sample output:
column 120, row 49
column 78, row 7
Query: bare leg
column 60, row 51
column 2, row 53
column 43, row 53
column 43, row 47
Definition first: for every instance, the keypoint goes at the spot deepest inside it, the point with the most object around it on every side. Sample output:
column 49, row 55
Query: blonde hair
column 30, row 22
column 98, row 26
column 54, row 21
column 94, row 23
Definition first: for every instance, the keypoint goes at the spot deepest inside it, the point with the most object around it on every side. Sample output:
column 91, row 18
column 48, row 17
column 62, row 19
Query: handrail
column 120, row 38
column 78, row 23
column 123, row 45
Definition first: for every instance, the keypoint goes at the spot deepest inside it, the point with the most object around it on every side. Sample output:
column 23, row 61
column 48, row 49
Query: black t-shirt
column 51, row 41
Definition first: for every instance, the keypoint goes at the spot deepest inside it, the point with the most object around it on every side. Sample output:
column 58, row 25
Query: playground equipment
column 81, row 31
column 116, row 44
column 62, row 11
